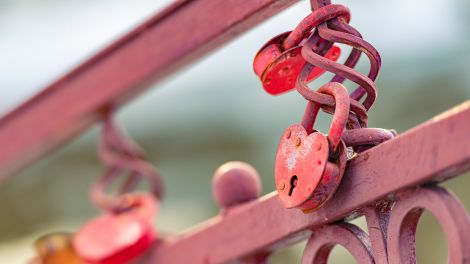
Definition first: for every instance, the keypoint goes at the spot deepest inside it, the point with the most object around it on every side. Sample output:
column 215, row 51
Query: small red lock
column 121, row 235
column 309, row 165
column 279, row 61
column 278, row 68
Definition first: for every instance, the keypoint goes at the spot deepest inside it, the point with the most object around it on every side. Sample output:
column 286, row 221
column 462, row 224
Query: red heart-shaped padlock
column 300, row 162
column 309, row 167
column 114, row 238
column 305, row 178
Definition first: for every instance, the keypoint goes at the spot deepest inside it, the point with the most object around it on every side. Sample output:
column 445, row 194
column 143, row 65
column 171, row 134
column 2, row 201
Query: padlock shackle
column 313, row 20
column 340, row 116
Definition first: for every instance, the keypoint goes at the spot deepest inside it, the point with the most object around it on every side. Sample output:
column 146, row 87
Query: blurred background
column 215, row 110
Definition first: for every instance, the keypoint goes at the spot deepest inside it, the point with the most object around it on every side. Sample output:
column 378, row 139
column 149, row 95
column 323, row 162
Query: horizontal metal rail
column 177, row 36
column 433, row 151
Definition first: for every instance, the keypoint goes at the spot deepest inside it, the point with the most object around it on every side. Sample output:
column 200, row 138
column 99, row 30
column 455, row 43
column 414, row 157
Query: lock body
column 305, row 176
column 278, row 68
column 118, row 237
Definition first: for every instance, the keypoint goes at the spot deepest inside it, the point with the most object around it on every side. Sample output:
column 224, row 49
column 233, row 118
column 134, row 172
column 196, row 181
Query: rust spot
column 366, row 156
column 267, row 81
column 319, row 146
column 298, row 141
column 288, row 134
column 284, row 71
column 309, row 188
column 282, row 185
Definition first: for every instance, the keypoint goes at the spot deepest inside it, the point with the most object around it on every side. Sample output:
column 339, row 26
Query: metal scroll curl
column 392, row 230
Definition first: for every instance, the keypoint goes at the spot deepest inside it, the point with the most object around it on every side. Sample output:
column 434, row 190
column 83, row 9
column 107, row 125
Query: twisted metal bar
column 337, row 30
column 121, row 155
column 314, row 19
column 340, row 69
column 359, row 45
column 353, row 58
column 358, row 116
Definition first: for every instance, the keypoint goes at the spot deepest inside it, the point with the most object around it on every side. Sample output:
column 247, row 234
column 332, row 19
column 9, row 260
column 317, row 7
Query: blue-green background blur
column 215, row 110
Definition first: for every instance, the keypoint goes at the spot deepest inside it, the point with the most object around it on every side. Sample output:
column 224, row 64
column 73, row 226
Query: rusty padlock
column 278, row 68
column 121, row 235
column 310, row 165
column 279, row 61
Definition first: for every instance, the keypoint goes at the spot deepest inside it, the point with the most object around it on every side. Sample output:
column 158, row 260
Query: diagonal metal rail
column 433, row 151
column 177, row 36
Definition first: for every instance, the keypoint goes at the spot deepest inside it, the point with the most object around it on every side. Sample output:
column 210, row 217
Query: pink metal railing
column 121, row 71
column 396, row 166
column 391, row 184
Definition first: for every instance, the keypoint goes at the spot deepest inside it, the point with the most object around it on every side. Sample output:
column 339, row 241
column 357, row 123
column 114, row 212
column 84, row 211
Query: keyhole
column 293, row 183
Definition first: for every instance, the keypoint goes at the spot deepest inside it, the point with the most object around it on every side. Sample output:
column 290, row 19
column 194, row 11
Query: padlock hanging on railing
column 125, row 228
column 309, row 165
column 121, row 235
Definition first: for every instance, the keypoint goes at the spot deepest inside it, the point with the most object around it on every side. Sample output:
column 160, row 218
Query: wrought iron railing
column 390, row 184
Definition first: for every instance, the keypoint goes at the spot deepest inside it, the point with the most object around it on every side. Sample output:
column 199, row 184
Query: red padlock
column 310, row 165
column 121, row 235
column 278, row 68
column 279, row 61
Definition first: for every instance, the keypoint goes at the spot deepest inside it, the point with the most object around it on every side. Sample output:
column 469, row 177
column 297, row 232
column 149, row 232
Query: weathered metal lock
column 278, row 67
column 310, row 165
column 279, row 61
column 121, row 235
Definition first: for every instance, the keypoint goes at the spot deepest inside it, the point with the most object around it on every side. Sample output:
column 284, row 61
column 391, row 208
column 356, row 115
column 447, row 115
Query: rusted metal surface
column 422, row 155
column 152, row 51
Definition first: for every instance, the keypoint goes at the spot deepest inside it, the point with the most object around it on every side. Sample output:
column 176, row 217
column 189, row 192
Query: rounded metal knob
column 234, row 183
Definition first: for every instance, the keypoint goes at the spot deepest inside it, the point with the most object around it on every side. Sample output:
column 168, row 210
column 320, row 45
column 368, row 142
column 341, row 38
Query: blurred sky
column 211, row 112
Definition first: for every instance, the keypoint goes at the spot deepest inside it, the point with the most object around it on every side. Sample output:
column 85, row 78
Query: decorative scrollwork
column 323, row 239
column 392, row 229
